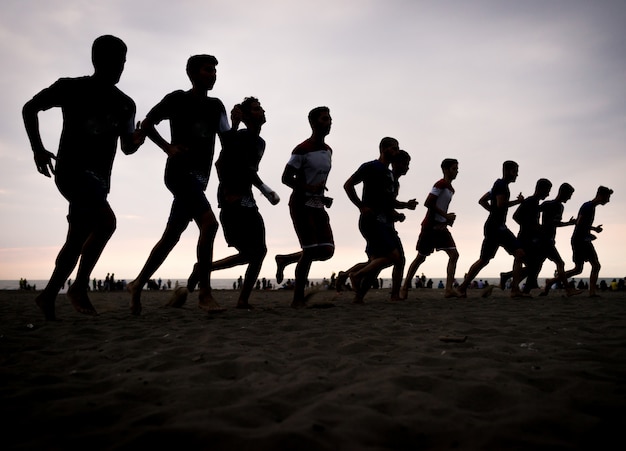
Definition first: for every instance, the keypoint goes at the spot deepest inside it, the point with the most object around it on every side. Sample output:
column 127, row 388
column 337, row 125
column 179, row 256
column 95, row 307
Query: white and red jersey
column 443, row 191
column 312, row 164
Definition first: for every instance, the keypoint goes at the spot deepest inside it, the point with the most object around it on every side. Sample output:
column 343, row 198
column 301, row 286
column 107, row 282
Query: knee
column 209, row 228
column 454, row 255
column 107, row 222
column 326, row 252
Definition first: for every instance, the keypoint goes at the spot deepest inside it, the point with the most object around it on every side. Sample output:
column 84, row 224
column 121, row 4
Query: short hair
column 195, row 63
column 402, row 157
column 316, row 112
column 246, row 105
column 543, row 184
column 509, row 165
column 386, row 142
column 447, row 163
column 604, row 191
column 566, row 189
column 105, row 47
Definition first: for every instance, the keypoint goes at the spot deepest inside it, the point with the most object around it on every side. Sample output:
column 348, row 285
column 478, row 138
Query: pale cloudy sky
column 538, row 81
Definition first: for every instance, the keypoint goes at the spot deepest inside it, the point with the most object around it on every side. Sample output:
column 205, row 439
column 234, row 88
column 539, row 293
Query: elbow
column 28, row 111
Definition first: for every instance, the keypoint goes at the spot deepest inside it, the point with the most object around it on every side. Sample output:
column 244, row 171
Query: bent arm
column 349, row 188
column 149, row 128
column 484, row 202
column 130, row 142
column 43, row 158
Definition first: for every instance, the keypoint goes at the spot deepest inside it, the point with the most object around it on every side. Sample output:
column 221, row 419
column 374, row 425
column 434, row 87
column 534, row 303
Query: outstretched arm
column 409, row 204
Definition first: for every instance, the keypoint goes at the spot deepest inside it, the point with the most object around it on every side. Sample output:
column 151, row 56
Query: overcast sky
column 540, row 82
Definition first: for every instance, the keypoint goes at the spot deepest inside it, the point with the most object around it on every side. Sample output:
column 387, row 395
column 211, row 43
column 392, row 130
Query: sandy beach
column 426, row 373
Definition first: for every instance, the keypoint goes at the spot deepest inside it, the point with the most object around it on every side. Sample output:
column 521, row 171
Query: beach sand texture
column 541, row 373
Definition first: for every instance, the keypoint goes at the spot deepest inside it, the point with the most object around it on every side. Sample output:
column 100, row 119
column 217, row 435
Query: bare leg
column 284, row 260
column 65, row 263
column 413, row 267
column 159, row 253
column 252, row 272
column 517, row 275
column 453, row 257
column 396, row 278
column 308, row 256
column 593, row 278
column 91, row 252
column 471, row 274
column 344, row 275
column 302, row 273
column 208, row 229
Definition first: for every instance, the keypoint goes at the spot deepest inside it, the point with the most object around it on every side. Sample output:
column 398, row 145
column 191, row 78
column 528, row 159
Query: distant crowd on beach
column 97, row 115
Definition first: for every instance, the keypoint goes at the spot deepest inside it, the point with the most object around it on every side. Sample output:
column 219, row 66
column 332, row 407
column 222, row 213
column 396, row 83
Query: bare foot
column 178, row 297
column 46, row 305
column 487, row 291
column 280, row 268
column 80, row 301
column 340, row 283
column 244, row 306
column 356, row 282
column 404, row 292
column 298, row 303
column 571, row 293
column 451, row 294
column 192, row 282
column 515, row 294
column 207, row 302
column 135, row 297
column 503, row 279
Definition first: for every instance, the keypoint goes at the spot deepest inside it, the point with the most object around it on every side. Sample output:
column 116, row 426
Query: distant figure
column 399, row 167
column 551, row 219
column 306, row 173
column 435, row 233
column 496, row 233
column 582, row 239
column 195, row 119
column 95, row 114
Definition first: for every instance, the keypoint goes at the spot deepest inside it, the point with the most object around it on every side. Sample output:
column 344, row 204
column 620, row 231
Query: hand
column 520, row 197
column 412, row 204
column 236, row 116
column 450, row 218
column 43, row 161
column 175, row 150
column 139, row 135
column 270, row 194
column 599, row 228
column 273, row 197
column 571, row 221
